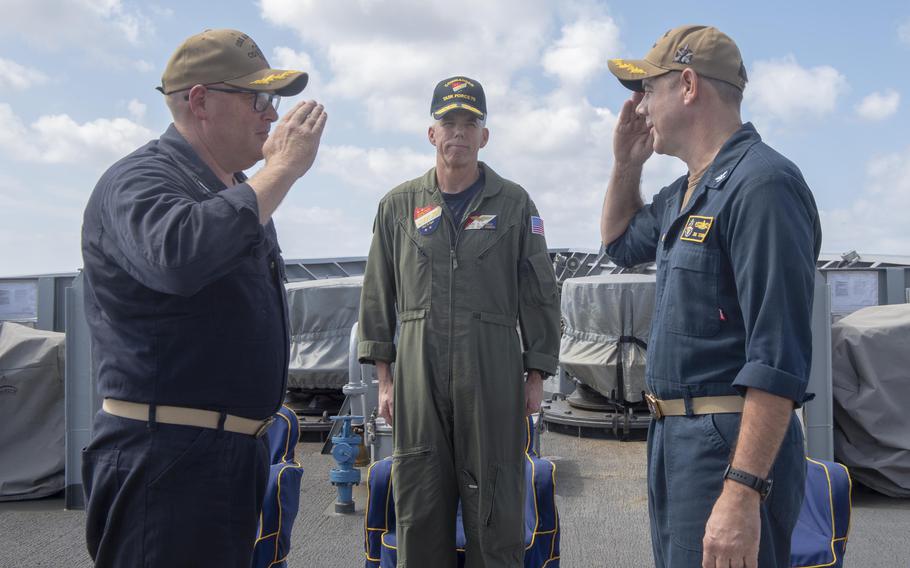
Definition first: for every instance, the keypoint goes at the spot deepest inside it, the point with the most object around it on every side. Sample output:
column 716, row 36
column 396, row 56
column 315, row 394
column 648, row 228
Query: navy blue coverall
column 735, row 276
column 185, row 302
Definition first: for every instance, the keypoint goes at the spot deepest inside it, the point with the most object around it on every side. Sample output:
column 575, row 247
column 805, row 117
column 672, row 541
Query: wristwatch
column 763, row 486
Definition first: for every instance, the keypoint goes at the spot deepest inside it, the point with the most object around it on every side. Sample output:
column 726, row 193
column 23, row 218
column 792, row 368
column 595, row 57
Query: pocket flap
column 411, row 315
column 697, row 260
column 498, row 319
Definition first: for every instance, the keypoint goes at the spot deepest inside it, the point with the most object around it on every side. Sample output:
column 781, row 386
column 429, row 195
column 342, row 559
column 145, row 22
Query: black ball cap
column 458, row 92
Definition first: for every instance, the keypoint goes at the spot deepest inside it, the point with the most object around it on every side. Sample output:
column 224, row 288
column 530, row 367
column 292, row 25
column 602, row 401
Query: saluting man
column 735, row 242
column 459, row 261
column 185, row 302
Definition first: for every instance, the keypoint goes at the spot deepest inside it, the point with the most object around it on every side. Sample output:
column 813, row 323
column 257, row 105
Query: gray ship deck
column 600, row 494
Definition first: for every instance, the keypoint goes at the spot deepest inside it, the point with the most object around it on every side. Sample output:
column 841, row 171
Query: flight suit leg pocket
column 502, row 507
column 415, row 482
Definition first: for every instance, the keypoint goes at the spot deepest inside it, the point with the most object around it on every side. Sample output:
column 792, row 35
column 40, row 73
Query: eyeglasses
column 261, row 101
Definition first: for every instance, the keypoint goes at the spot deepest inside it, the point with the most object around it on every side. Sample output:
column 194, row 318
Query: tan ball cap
column 706, row 50
column 230, row 57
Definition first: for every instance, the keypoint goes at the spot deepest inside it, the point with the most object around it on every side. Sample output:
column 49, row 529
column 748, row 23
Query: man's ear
column 485, row 137
column 198, row 100
column 431, row 135
column 689, row 81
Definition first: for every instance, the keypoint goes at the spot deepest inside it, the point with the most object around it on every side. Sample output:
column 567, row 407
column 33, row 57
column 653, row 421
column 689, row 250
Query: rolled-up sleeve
column 773, row 243
column 173, row 243
column 638, row 244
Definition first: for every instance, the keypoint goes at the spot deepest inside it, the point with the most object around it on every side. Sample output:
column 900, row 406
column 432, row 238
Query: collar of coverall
column 492, row 183
column 730, row 154
column 177, row 147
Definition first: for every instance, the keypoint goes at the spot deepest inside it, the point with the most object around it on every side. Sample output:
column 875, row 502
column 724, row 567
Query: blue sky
column 828, row 87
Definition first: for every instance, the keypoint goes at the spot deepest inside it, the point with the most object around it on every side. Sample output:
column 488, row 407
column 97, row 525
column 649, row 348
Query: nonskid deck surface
column 601, row 496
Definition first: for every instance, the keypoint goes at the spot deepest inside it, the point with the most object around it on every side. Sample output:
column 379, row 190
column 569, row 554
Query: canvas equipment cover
column 870, row 366
column 607, row 322
column 32, row 452
column 322, row 313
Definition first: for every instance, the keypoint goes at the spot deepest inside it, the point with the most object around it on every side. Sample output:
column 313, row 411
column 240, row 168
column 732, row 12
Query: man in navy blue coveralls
column 735, row 243
column 185, row 301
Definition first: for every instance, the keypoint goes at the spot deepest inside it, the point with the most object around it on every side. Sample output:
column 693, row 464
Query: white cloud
column 136, row 109
column 288, row 58
column 390, row 54
column 142, row 65
column 783, row 90
column 879, row 106
column 84, row 24
column 375, row 169
column 58, row 138
column 318, row 232
column 582, row 51
column 876, row 221
column 13, row 75
column 903, row 32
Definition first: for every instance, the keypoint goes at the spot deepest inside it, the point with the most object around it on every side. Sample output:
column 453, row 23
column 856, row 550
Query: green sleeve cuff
column 540, row 362
column 371, row 351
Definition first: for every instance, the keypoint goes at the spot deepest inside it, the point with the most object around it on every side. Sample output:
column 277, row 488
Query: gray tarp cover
column 870, row 364
column 31, row 412
column 322, row 314
column 598, row 310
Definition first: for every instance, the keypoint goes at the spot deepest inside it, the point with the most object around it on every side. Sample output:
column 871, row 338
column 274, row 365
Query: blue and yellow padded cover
column 541, row 516
column 282, row 494
column 820, row 536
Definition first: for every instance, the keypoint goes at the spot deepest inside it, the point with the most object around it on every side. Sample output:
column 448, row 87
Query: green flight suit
column 459, row 402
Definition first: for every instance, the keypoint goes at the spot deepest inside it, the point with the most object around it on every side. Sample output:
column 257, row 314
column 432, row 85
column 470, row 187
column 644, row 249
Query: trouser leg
column 657, row 492
column 423, row 478
column 490, row 443
column 688, row 456
column 173, row 496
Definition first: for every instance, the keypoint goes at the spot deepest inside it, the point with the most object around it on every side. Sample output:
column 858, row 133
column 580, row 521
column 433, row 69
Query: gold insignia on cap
column 268, row 80
column 630, row 67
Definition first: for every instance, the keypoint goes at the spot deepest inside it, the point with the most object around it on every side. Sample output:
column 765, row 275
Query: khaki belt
column 700, row 405
column 183, row 416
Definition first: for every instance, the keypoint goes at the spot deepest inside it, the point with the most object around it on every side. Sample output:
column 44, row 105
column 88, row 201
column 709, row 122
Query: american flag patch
column 536, row 225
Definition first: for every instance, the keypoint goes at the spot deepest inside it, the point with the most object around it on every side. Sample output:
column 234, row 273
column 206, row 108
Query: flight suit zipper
column 453, row 266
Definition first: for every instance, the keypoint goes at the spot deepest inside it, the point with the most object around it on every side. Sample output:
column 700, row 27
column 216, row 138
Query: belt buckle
column 653, row 406
column 264, row 427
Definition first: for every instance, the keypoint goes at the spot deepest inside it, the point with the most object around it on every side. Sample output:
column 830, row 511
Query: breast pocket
column 414, row 272
column 691, row 290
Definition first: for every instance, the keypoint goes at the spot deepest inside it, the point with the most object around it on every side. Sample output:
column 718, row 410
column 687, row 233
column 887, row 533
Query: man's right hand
column 386, row 393
column 633, row 143
column 289, row 152
column 295, row 140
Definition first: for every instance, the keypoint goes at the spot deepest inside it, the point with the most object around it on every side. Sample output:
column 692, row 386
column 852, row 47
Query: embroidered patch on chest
column 696, row 229
column 480, row 222
column 427, row 219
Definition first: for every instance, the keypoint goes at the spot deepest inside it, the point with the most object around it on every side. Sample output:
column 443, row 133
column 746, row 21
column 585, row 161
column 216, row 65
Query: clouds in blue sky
column 77, row 78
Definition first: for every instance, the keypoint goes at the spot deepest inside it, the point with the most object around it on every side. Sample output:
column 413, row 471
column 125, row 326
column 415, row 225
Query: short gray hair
column 728, row 93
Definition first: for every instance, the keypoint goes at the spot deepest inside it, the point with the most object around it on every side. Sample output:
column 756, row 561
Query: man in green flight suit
column 460, row 261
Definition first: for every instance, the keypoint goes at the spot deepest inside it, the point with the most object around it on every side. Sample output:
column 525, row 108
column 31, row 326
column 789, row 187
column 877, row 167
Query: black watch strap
column 763, row 486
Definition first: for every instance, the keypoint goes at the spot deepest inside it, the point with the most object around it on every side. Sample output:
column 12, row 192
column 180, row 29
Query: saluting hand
column 294, row 142
column 633, row 142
